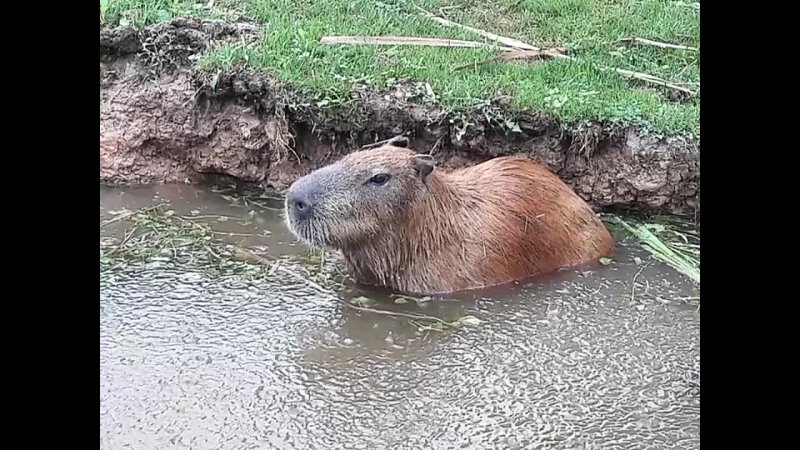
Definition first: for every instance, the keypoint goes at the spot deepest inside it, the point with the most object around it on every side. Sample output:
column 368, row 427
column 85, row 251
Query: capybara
column 403, row 225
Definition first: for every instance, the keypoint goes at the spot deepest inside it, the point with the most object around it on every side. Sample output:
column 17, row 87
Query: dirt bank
column 164, row 120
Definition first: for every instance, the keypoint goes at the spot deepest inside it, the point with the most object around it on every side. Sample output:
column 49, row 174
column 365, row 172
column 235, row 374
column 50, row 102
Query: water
column 573, row 361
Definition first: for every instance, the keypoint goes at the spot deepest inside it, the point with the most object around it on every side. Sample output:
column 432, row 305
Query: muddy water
column 574, row 361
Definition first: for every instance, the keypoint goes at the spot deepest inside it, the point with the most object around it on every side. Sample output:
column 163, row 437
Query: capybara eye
column 380, row 179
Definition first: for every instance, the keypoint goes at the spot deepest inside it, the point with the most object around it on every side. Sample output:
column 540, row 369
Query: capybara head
column 361, row 196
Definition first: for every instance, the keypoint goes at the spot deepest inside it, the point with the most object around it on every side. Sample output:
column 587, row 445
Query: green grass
column 672, row 241
column 575, row 92
column 157, row 235
column 144, row 12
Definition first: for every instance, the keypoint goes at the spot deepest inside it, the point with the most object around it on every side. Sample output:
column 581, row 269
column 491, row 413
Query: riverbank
column 175, row 108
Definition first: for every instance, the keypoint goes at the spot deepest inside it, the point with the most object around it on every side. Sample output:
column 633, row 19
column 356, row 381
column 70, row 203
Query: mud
column 164, row 120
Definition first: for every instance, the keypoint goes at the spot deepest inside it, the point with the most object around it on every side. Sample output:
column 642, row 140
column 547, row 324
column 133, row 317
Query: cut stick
column 522, row 45
column 398, row 40
column 637, row 40
column 507, row 41
column 508, row 56
column 654, row 80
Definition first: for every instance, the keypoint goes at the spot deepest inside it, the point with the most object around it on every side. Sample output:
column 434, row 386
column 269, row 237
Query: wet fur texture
column 434, row 232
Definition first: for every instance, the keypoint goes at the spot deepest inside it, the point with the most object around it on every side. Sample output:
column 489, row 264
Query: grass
column 147, row 12
column 669, row 240
column 157, row 234
column 574, row 91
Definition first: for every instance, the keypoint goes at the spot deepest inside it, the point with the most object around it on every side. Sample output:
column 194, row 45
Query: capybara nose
column 300, row 204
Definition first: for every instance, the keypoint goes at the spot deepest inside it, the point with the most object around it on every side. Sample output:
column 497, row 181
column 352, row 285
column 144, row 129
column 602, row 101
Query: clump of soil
column 164, row 120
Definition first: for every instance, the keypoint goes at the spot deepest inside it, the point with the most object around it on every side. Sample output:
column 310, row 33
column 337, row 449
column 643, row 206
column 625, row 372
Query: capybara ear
column 398, row 141
column 423, row 165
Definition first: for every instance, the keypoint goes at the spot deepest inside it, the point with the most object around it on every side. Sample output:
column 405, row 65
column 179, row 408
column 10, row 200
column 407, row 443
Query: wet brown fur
column 500, row 221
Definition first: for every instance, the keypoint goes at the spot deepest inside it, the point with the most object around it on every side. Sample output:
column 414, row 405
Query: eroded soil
column 164, row 120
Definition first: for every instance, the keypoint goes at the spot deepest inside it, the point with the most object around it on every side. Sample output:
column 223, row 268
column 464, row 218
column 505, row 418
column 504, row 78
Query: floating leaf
column 605, row 261
column 360, row 301
column 470, row 321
